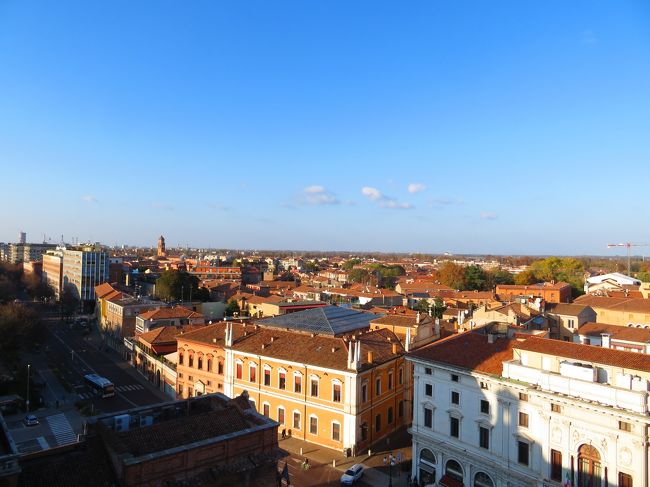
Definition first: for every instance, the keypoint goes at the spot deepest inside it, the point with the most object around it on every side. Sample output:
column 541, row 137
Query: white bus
column 100, row 384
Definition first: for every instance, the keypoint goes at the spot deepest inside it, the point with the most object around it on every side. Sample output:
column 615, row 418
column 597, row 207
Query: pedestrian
column 384, row 459
column 284, row 433
column 408, row 479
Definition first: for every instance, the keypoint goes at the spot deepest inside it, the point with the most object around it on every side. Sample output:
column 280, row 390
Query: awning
column 447, row 481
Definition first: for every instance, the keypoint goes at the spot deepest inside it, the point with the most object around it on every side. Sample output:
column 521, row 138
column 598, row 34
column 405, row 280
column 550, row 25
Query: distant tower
column 22, row 238
column 161, row 247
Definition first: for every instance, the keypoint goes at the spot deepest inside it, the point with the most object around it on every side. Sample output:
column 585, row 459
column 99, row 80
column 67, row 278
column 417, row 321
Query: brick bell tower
column 161, row 247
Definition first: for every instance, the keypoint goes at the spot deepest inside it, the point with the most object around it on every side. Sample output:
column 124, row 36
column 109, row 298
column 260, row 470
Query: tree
column 438, row 307
column 567, row 269
column 524, row 278
column 231, row 308
column 349, row 264
column 177, row 286
column 36, row 288
column 643, row 276
column 499, row 277
column 474, row 278
column 69, row 302
column 361, row 276
column 19, row 327
column 422, row 306
column 452, row 275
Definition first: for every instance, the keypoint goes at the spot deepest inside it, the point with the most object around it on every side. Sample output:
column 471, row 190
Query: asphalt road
column 76, row 354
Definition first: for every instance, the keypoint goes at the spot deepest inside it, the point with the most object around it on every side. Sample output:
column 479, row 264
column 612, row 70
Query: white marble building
column 491, row 411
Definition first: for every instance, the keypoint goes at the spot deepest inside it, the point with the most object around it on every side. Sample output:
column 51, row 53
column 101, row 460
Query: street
column 68, row 354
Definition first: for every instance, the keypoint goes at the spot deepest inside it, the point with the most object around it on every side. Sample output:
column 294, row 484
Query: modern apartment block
column 493, row 411
column 18, row 253
column 53, row 270
column 84, row 267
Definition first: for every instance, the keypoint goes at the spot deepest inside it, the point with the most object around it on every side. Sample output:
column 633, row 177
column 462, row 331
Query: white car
column 351, row 475
column 30, row 420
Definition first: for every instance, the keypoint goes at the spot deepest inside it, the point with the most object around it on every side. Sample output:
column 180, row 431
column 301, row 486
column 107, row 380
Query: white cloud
column 373, row 194
column 89, row 198
column 416, row 187
column 488, row 215
column 318, row 195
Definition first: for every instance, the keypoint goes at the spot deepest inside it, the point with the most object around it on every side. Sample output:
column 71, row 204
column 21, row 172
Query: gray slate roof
column 329, row 320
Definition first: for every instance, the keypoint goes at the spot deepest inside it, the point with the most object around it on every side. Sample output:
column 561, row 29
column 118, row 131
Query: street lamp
column 27, row 402
column 391, row 459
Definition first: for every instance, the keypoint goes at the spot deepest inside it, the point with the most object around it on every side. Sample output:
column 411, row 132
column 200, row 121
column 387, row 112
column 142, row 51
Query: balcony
column 602, row 393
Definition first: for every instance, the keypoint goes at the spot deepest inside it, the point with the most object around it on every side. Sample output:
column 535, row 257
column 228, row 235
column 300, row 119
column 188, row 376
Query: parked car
column 30, row 420
column 351, row 475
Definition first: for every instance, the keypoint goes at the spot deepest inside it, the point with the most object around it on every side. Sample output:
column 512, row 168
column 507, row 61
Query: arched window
column 454, row 470
column 180, row 358
column 427, row 467
column 209, row 364
column 191, row 361
column 481, row 479
column 200, row 363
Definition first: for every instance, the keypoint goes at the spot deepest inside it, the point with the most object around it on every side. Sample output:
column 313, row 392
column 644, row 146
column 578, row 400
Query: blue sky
column 467, row 127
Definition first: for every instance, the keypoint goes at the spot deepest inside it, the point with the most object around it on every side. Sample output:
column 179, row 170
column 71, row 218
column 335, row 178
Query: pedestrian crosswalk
column 125, row 388
column 61, row 429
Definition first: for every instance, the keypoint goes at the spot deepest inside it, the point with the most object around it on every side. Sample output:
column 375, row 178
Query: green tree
column 438, row 307
column 231, row 308
column 567, row 269
column 524, row 278
column 499, row 277
column 361, row 276
column 474, row 278
column 349, row 264
column 422, row 306
column 643, row 276
column 178, row 285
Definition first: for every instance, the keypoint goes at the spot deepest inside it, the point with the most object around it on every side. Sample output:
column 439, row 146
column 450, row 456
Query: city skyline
column 465, row 128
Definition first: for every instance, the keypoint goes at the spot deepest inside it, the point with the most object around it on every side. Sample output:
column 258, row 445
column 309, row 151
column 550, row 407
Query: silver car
column 351, row 475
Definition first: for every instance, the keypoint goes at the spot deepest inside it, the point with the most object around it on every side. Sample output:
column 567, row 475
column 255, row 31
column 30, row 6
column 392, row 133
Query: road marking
column 61, row 429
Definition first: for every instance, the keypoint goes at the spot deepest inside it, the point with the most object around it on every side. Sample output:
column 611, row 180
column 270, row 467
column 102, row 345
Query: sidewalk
column 376, row 472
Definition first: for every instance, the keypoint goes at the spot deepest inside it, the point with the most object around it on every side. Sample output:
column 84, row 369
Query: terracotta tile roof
column 401, row 320
column 565, row 309
column 170, row 313
column 587, row 353
column 166, row 334
column 214, row 334
column 626, row 333
column 470, row 351
column 318, row 350
column 626, row 305
column 532, row 287
column 103, row 289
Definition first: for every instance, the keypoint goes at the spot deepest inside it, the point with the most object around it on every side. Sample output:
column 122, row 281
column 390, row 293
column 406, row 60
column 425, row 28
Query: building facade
column 84, row 267
column 53, row 271
column 533, row 412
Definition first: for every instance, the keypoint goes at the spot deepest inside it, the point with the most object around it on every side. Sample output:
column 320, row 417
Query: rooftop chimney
column 369, row 357
column 417, row 318
column 394, row 348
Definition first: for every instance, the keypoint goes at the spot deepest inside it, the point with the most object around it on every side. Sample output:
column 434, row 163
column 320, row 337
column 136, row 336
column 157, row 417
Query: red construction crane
column 628, row 245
